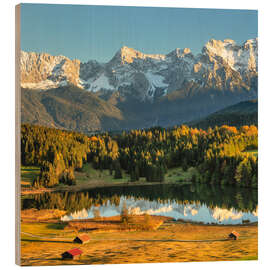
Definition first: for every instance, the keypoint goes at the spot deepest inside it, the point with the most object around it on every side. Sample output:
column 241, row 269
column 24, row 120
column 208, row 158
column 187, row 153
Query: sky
column 98, row 32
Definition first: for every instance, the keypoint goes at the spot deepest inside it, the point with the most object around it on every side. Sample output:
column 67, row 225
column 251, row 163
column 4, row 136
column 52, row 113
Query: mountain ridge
column 219, row 60
column 141, row 90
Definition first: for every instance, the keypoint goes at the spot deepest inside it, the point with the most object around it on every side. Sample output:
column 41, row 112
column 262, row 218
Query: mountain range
column 137, row 90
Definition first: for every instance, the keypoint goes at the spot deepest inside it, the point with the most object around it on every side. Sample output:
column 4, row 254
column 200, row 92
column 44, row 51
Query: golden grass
column 137, row 246
column 34, row 215
column 113, row 224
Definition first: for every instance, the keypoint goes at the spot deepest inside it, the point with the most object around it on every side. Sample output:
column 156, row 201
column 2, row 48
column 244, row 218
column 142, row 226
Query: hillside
column 240, row 114
column 69, row 108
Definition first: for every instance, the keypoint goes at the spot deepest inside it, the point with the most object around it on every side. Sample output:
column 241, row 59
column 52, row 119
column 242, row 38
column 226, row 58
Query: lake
column 197, row 202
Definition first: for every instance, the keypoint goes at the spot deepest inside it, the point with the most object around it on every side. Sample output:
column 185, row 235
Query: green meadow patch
column 29, row 174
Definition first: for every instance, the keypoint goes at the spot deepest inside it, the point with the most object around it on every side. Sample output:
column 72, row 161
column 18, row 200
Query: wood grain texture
column 17, row 134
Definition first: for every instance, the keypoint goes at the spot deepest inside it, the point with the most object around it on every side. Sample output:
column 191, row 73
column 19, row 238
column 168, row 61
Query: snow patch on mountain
column 44, row 85
column 100, row 83
column 155, row 79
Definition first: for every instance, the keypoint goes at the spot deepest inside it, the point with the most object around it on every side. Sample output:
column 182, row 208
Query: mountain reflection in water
column 198, row 203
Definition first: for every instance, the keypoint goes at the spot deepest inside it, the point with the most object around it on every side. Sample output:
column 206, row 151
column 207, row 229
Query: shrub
column 125, row 216
column 96, row 213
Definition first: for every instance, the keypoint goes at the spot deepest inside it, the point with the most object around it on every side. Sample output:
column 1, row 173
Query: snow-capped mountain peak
column 179, row 53
column 222, row 65
column 44, row 71
column 239, row 58
column 127, row 55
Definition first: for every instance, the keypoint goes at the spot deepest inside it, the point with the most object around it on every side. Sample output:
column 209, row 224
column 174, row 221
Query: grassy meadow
column 88, row 177
column 28, row 174
column 88, row 173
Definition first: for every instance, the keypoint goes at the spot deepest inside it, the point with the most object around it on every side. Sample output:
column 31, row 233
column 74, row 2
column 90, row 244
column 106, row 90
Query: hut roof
column 84, row 237
column 74, row 251
column 235, row 233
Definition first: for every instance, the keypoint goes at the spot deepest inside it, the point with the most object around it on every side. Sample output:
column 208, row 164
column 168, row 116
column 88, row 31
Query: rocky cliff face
column 44, row 71
column 127, row 56
column 239, row 58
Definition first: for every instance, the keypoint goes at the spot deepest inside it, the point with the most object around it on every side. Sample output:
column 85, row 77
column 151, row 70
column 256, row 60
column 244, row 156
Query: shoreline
column 168, row 220
column 82, row 187
column 56, row 215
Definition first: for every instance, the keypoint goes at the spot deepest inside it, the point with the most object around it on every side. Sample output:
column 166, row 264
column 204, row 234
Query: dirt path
column 135, row 240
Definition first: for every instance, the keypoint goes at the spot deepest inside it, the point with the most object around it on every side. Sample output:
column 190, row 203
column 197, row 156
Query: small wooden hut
column 234, row 235
column 82, row 239
column 72, row 254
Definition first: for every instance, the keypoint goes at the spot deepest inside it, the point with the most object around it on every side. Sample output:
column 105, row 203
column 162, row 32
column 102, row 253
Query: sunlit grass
column 249, row 258
column 88, row 173
column 41, row 214
column 178, row 174
column 112, row 248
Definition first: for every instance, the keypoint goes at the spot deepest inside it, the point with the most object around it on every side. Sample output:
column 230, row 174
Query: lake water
column 198, row 203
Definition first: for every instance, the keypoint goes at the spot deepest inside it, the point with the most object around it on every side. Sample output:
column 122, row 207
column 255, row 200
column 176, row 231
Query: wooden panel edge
column 17, row 135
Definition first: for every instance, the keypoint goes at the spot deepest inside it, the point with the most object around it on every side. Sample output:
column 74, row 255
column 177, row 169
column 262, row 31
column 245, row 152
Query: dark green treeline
column 218, row 153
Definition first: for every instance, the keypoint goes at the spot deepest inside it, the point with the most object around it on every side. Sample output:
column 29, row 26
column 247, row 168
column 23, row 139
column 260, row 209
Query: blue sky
column 97, row 32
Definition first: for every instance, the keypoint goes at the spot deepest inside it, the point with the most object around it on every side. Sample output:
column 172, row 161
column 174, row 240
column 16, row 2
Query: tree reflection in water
column 240, row 199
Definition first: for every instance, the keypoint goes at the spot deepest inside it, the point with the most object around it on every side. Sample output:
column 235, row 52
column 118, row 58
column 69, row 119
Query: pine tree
column 117, row 171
